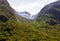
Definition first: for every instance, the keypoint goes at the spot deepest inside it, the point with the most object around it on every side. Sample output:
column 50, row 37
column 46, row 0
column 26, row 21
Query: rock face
column 51, row 12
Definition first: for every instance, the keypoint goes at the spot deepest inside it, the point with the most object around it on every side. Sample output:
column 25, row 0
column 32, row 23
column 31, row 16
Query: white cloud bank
column 31, row 6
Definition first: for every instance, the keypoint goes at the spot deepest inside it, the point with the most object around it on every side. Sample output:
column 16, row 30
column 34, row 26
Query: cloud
column 32, row 6
column 18, row 2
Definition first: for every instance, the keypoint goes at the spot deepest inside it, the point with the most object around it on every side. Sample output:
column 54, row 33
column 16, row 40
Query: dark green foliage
column 3, row 40
column 51, row 22
column 3, row 18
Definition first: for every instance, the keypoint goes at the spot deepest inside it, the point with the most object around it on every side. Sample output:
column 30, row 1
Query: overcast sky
column 31, row 6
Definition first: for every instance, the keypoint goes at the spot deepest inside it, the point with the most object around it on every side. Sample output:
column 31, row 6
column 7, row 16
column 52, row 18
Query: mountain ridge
column 51, row 12
column 27, row 15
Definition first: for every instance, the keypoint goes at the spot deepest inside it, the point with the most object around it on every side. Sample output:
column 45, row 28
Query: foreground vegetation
column 17, row 31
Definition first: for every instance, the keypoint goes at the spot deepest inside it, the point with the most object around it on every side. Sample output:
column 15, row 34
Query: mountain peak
column 25, row 12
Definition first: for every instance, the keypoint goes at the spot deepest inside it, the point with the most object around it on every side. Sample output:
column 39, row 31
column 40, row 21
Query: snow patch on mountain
column 27, row 15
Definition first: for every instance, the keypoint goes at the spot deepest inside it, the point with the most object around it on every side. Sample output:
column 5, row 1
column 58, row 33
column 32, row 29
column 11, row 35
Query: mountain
column 25, row 12
column 21, row 18
column 4, row 2
column 13, row 27
column 6, row 12
column 27, row 15
column 50, row 13
column 48, row 21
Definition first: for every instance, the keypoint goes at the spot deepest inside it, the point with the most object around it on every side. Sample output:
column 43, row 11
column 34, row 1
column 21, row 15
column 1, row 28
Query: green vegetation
column 17, row 31
column 12, row 29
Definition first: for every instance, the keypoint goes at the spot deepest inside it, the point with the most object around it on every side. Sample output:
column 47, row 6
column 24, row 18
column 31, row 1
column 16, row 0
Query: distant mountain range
column 27, row 15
